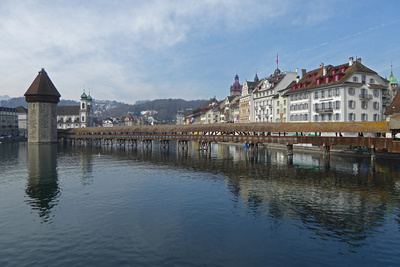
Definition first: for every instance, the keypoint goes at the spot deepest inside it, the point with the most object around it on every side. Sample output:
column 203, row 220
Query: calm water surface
column 76, row 206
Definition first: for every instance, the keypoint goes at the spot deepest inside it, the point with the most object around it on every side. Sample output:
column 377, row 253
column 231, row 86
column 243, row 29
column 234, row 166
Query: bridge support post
column 182, row 145
column 164, row 144
column 148, row 144
column 373, row 156
column 327, row 150
column 289, row 149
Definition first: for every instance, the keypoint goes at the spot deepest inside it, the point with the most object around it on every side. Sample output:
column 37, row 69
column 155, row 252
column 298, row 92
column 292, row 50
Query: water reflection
column 343, row 199
column 42, row 187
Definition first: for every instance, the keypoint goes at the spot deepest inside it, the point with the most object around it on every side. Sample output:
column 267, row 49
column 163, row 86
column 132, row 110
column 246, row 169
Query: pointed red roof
column 42, row 90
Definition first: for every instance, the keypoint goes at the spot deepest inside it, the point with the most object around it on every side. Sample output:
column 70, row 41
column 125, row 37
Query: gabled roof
column 22, row 110
column 394, row 106
column 275, row 79
column 309, row 78
column 42, row 89
column 68, row 110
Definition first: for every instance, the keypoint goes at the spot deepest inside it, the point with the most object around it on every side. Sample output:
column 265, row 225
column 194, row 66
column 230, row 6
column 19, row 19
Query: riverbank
column 336, row 150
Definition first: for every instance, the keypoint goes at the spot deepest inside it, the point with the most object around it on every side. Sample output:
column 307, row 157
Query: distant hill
column 4, row 97
column 20, row 101
column 166, row 108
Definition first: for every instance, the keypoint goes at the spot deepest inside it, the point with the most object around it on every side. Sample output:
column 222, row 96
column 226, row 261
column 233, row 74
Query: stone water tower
column 42, row 97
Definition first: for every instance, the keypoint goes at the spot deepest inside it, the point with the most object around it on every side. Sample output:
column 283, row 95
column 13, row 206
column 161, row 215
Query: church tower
column 42, row 97
column 86, row 111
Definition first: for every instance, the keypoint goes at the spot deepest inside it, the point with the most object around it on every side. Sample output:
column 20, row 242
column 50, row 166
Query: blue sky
column 136, row 50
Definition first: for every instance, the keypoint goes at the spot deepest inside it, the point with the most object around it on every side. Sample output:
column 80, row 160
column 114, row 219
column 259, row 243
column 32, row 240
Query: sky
column 156, row 49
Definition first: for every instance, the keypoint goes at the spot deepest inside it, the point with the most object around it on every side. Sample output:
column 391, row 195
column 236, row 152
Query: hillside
column 166, row 108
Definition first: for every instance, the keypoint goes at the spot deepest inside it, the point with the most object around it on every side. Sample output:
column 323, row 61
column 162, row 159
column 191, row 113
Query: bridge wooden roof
column 344, row 127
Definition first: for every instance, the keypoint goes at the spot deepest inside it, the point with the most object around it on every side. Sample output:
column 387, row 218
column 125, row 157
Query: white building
column 343, row 93
column 265, row 98
column 76, row 116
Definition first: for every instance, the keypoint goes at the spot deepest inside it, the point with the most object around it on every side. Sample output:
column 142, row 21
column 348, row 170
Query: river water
column 87, row 206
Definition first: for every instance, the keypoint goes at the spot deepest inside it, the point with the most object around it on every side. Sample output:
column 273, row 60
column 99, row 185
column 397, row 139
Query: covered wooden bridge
column 373, row 135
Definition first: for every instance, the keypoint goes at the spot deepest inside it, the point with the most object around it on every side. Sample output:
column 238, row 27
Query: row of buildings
column 342, row 93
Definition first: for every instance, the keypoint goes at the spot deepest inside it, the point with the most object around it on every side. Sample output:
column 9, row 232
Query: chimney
column 321, row 65
column 297, row 70
column 303, row 73
column 324, row 71
column 359, row 59
column 297, row 79
column 351, row 61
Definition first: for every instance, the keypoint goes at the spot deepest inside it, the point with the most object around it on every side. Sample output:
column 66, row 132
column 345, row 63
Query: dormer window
column 355, row 79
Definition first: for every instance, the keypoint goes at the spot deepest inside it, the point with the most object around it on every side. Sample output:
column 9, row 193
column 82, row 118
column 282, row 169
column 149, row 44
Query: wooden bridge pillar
column 289, row 149
column 121, row 142
column 327, row 150
column 203, row 145
column 132, row 142
column 164, row 144
column 373, row 156
column 182, row 145
column 108, row 142
column 147, row 144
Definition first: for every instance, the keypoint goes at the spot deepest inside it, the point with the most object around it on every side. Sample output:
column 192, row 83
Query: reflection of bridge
column 247, row 133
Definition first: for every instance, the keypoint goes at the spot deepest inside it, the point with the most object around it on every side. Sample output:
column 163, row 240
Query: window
column 376, row 93
column 291, row 97
column 323, row 94
column 352, row 104
column 284, row 101
column 329, row 117
column 316, row 118
column 376, row 105
column 316, row 95
column 364, row 117
column 329, row 93
column 376, row 117
column 352, row 117
column 337, row 116
column 337, row 105
column 284, row 110
column 355, row 79
column 352, row 91
column 83, row 118
column 337, row 92
column 277, row 111
column 371, row 80
column 305, row 117
column 363, row 79
column 364, row 104
column 83, row 105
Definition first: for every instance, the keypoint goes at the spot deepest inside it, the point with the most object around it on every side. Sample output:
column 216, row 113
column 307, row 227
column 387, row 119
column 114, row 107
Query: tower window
column 83, row 105
column 83, row 118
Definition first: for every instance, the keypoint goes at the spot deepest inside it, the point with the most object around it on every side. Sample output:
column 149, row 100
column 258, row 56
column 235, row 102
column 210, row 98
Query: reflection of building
column 42, row 187
column 8, row 121
column 76, row 116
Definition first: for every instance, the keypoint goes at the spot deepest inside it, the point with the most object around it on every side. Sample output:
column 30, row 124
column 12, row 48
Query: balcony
column 324, row 110
column 365, row 96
